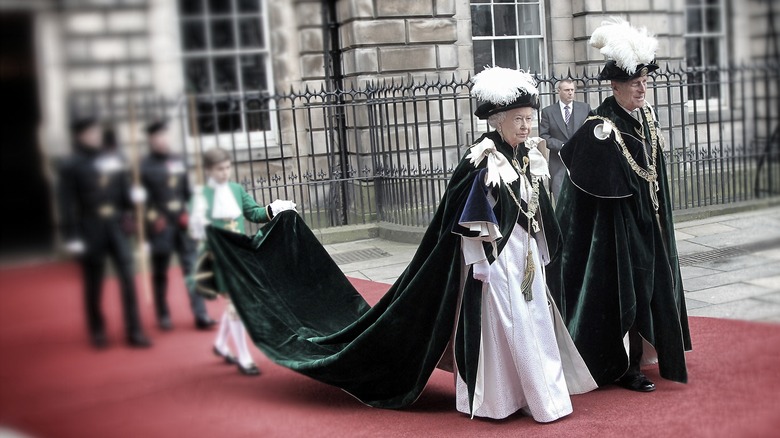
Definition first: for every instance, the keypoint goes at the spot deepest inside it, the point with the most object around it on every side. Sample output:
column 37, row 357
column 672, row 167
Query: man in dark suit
column 558, row 122
column 94, row 193
column 164, row 176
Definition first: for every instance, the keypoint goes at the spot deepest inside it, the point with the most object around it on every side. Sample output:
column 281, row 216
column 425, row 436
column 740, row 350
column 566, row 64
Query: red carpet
column 52, row 384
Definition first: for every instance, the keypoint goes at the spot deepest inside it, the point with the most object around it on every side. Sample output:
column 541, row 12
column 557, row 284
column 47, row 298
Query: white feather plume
column 627, row 45
column 502, row 86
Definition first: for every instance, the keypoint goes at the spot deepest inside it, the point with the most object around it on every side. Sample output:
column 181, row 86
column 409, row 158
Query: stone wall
column 404, row 39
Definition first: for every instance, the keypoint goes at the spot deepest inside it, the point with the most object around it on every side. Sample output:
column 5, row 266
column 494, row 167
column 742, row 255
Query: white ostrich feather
column 627, row 45
column 502, row 86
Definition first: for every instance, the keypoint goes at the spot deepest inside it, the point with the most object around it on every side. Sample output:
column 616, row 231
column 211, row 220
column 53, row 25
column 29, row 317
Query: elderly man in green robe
column 617, row 281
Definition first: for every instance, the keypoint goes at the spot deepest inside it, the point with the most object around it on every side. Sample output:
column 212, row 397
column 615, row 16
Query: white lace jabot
column 225, row 204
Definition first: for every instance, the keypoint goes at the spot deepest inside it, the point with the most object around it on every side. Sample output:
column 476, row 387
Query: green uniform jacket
column 619, row 265
column 203, row 280
column 304, row 314
column 251, row 211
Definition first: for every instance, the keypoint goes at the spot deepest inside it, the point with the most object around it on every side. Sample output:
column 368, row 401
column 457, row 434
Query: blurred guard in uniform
column 94, row 192
column 164, row 176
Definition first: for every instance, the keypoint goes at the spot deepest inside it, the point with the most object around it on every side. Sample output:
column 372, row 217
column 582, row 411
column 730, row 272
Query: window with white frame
column 508, row 33
column 226, row 63
column 704, row 46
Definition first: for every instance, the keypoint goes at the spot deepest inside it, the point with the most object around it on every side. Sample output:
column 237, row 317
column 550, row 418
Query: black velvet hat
column 156, row 126
column 614, row 73
column 501, row 89
column 81, row 124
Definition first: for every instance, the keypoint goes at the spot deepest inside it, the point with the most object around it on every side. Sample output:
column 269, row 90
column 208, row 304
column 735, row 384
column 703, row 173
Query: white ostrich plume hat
column 628, row 46
column 502, row 89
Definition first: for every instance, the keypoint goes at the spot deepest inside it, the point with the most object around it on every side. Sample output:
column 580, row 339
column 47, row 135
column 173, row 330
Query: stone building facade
column 232, row 53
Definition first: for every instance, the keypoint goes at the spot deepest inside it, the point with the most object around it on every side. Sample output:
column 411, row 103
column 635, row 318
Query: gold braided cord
column 650, row 174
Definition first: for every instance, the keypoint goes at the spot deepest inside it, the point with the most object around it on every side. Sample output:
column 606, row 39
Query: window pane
column 693, row 17
column 250, row 32
column 693, row 52
column 222, row 34
column 196, row 76
column 225, row 78
column 481, row 21
column 258, row 117
column 693, row 2
column 483, row 55
column 190, row 7
column 506, row 22
column 206, row 123
column 506, row 53
column 193, row 35
column 712, row 19
column 530, row 59
column 220, row 6
column 695, row 87
column 249, row 5
column 711, row 52
column 713, row 84
column 228, row 115
column 528, row 20
column 253, row 73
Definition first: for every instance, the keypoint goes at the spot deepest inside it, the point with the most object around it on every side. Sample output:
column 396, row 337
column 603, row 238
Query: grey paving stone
column 736, row 263
column 751, row 310
column 709, row 229
column 731, row 277
column 767, row 282
column 728, row 293
column 773, row 297
column 690, row 272
column 686, row 247
column 679, row 235
column 695, row 304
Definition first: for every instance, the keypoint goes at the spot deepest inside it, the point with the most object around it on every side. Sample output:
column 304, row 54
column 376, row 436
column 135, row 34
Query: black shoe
column 637, row 382
column 139, row 340
column 251, row 370
column 165, row 323
column 204, row 322
column 99, row 340
column 229, row 358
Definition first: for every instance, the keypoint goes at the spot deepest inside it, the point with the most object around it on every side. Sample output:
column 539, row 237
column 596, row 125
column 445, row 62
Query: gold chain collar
column 650, row 174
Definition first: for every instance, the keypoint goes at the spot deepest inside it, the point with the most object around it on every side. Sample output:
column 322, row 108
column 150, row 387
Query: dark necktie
column 566, row 114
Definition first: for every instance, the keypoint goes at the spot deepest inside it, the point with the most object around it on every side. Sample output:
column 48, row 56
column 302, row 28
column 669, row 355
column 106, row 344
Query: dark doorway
column 25, row 200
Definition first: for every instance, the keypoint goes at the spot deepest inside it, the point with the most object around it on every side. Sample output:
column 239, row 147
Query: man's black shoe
column 165, row 323
column 251, row 370
column 99, row 340
column 204, row 323
column 229, row 358
column 638, row 382
column 139, row 340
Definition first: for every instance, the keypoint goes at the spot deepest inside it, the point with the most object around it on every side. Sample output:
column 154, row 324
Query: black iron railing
column 386, row 151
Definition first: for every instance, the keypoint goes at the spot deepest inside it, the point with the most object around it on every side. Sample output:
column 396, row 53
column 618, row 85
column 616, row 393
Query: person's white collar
column 225, row 205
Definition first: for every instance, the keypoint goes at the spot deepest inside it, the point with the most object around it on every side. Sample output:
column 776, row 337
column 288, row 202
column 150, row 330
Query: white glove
column 482, row 271
column 197, row 226
column 138, row 194
column 279, row 206
column 74, row 247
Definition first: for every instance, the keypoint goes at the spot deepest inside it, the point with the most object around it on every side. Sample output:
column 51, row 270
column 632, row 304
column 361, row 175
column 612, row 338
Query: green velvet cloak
column 619, row 264
column 303, row 313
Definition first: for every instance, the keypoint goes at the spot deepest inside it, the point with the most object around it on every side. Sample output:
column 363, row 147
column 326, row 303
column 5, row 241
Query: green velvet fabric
column 303, row 313
column 619, row 265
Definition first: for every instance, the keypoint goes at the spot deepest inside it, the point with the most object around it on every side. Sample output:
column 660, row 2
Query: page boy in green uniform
column 225, row 204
